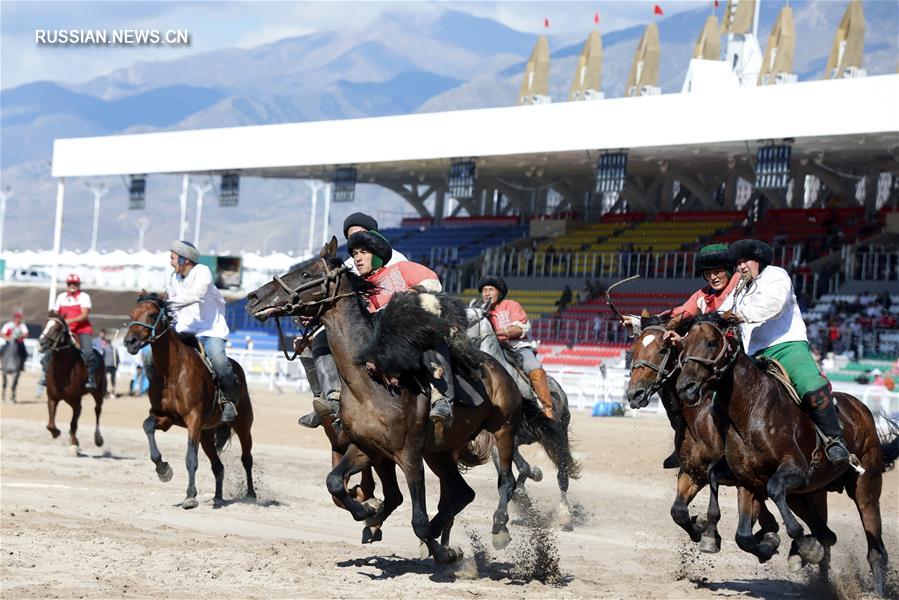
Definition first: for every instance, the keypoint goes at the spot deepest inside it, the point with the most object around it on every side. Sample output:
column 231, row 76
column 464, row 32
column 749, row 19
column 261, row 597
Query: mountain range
column 404, row 64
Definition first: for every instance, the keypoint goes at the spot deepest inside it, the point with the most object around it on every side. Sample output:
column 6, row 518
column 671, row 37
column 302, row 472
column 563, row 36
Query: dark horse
column 388, row 425
column 551, row 434
column 67, row 376
column 772, row 448
column 182, row 392
column 700, row 446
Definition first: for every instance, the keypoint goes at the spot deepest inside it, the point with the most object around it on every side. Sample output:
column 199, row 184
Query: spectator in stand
column 597, row 328
column 833, row 337
column 886, row 321
column 886, row 300
column 565, row 299
column 866, row 298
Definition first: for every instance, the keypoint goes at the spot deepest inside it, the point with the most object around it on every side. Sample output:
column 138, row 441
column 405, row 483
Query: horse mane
column 164, row 305
column 714, row 318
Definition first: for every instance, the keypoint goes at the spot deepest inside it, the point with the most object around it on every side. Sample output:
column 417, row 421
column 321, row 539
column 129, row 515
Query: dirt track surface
column 102, row 525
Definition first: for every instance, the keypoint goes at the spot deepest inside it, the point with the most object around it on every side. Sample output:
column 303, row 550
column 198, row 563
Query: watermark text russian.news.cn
column 112, row 37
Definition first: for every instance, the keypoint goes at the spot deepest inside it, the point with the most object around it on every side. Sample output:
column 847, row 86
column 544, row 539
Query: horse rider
column 199, row 308
column 713, row 262
column 771, row 325
column 510, row 322
column 371, row 254
column 321, row 372
column 74, row 306
column 14, row 353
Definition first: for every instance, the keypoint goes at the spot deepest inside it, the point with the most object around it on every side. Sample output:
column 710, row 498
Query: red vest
column 396, row 278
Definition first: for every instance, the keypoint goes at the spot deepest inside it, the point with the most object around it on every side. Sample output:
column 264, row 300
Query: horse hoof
column 53, row 431
column 373, row 506
column 501, row 539
column 98, row 439
column 536, row 474
column 164, row 471
column 423, row 551
column 73, row 450
column 771, row 539
column 447, row 554
column 189, row 503
column 377, row 536
column 795, row 563
column 811, row 550
column 710, row 544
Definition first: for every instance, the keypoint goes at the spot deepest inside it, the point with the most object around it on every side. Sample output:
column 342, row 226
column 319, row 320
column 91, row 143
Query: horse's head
column 306, row 291
column 653, row 361
column 709, row 350
column 55, row 335
column 150, row 318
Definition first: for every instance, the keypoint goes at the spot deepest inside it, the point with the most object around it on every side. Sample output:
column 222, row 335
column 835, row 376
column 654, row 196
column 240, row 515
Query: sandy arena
column 102, row 525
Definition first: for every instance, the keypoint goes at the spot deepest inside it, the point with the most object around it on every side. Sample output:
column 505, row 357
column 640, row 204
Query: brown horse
column 67, row 377
column 700, row 444
column 183, row 392
column 389, row 425
column 772, row 448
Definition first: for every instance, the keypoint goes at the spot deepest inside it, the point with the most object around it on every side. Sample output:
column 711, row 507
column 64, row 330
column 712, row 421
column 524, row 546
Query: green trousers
column 797, row 359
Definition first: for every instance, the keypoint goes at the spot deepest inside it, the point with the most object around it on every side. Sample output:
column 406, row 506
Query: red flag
column 657, row 10
column 546, row 23
column 716, row 3
column 596, row 18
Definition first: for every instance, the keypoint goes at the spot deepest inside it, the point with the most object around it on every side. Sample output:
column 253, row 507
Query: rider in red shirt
column 510, row 322
column 371, row 253
column 75, row 306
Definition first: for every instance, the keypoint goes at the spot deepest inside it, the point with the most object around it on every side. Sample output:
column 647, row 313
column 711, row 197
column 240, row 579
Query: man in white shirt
column 200, row 309
column 772, row 326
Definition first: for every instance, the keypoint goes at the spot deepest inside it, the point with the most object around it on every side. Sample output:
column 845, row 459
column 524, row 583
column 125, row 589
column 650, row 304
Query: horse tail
column 889, row 445
column 476, row 452
column 222, row 436
column 553, row 436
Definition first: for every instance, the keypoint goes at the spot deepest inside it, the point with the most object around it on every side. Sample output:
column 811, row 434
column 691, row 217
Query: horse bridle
column 160, row 318
column 717, row 367
column 57, row 342
column 328, row 298
column 662, row 374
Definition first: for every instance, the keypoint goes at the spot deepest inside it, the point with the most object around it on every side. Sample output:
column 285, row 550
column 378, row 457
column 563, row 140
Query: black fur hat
column 752, row 250
column 360, row 219
column 372, row 241
column 714, row 256
column 495, row 281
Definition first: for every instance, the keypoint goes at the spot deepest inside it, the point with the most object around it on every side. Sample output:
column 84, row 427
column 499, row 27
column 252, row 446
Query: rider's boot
column 231, row 393
column 45, row 364
column 329, row 378
column 443, row 390
column 91, row 384
column 541, row 387
column 824, row 413
column 311, row 420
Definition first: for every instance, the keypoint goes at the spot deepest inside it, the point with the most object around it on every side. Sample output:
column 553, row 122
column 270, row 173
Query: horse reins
column 56, row 342
column 717, row 369
column 662, row 374
column 153, row 335
column 294, row 303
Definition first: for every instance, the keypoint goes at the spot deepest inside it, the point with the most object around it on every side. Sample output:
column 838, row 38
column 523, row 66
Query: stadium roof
column 850, row 119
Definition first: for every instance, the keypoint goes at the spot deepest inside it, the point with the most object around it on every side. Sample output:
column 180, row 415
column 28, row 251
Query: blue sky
column 215, row 25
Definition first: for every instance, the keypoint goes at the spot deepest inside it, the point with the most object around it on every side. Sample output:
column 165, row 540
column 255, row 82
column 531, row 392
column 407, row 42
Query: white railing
column 871, row 266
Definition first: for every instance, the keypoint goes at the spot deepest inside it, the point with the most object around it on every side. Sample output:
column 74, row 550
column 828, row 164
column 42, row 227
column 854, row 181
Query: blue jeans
column 215, row 350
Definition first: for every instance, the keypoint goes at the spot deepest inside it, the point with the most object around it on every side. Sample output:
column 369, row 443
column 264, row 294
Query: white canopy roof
column 815, row 110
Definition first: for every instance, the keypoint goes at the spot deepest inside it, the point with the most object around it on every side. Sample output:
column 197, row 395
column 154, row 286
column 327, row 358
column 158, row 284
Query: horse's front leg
column 790, row 476
column 73, row 426
column 412, row 464
column 687, row 489
column 52, row 403
column 711, row 540
column 748, row 507
column 505, row 446
column 151, row 424
column 194, row 423
column 353, row 461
